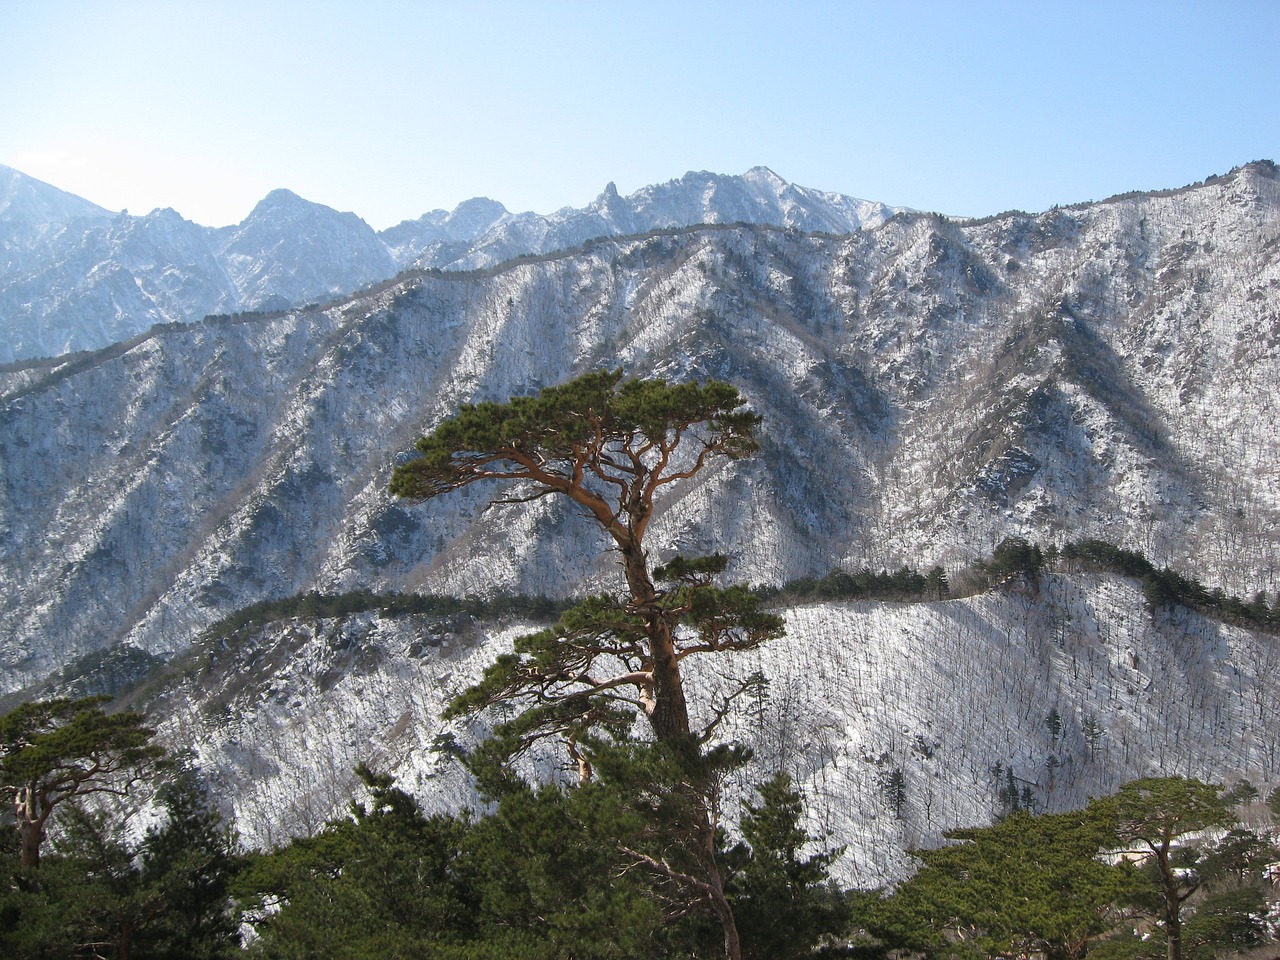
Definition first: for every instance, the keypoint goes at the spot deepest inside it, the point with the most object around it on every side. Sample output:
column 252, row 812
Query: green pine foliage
column 781, row 891
column 1165, row 588
column 904, row 585
column 100, row 894
column 382, row 883
column 542, row 437
column 1140, row 875
column 390, row 604
column 597, row 870
column 62, row 749
column 1025, row 885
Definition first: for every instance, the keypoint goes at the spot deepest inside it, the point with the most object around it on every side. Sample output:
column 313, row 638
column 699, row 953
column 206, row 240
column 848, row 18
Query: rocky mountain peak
column 290, row 250
column 31, row 202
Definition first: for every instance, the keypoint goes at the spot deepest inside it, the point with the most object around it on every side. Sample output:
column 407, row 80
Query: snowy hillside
column 941, row 692
column 928, row 387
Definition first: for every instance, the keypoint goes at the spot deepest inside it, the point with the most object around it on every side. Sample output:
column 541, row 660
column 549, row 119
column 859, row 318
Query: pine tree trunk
column 1172, row 903
column 670, row 715
column 31, row 835
column 719, row 901
column 670, row 722
column 30, row 826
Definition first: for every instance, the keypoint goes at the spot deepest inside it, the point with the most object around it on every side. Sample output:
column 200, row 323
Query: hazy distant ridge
column 77, row 277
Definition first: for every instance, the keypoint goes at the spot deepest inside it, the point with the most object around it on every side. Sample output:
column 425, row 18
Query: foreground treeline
column 1161, row 869
column 598, row 869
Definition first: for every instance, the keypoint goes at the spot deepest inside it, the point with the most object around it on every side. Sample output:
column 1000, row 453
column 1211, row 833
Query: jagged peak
column 762, row 174
column 164, row 213
column 608, row 201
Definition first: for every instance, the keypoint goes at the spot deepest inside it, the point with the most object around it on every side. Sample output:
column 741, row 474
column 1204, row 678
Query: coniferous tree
column 380, row 883
column 101, row 893
column 611, row 447
column 57, row 750
column 1027, row 885
column 893, row 787
column 1154, row 814
column 1054, row 723
column 785, row 898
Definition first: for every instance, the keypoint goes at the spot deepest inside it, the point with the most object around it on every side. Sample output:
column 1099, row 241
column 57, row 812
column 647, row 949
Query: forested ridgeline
column 1013, row 558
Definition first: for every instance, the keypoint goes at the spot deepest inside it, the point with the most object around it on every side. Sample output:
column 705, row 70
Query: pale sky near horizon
column 391, row 108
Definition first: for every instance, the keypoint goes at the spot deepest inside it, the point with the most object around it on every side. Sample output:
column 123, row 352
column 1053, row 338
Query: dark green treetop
column 1025, row 885
column 606, row 443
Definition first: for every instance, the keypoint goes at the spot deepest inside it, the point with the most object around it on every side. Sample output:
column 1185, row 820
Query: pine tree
column 57, row 750
column 1054, row 722
column 1025, row 886
column 784, row 897
column 893, row 787
column 611, row 447
column 1154, row 814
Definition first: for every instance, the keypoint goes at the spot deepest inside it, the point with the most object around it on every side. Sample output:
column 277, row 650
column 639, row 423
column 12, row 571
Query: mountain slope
column 73, row 277
column 950, row 694
column 289, row 250
column 928, row 387
column 30, row 202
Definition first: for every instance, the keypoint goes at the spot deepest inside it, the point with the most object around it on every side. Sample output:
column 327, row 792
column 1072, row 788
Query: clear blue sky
column 391, row 109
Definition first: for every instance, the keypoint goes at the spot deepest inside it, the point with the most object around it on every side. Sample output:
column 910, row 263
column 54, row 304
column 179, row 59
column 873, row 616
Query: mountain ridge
column 89, row 278
column 928, row 388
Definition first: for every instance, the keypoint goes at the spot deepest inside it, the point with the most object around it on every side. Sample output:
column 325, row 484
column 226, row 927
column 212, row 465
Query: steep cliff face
column 928, row 387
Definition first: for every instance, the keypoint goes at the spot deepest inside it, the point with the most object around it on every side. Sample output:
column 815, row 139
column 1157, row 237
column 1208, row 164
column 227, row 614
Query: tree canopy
column 1023, row 886
column 1155, row 813
column 611, row 446
column 54, row 750
column 606, row 443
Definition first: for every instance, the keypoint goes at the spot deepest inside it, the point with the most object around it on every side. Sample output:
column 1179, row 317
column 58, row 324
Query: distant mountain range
column 928, row 386
column 74, row 276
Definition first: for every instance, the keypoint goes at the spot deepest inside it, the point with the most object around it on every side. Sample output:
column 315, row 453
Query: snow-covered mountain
column 30, row 203
column 76, row 277
column 954, row 696
column 928, row 387
column 490, row 235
